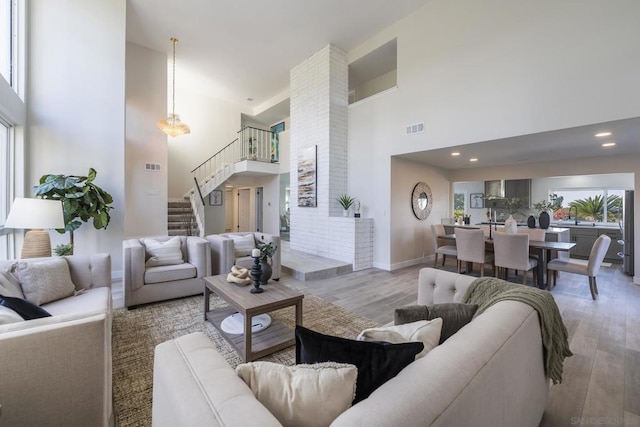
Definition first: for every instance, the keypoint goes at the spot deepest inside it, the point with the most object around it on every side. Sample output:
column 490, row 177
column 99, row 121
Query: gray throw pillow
column 9, row 284
column 454, row 316
column 45, row 281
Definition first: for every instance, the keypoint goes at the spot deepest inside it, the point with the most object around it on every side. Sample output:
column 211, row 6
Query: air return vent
column 416, row 128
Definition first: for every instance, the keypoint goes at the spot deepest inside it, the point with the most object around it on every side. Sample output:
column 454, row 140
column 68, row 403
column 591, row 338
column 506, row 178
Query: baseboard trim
column 411, row 262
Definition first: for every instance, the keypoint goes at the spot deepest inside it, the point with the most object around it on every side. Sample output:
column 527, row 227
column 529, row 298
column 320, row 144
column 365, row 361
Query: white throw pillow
column 10, row 285
column 163, row 253
column 302, row 395
column 424, row 331
column 45, row 281
column 9, row 316
column 243, row 245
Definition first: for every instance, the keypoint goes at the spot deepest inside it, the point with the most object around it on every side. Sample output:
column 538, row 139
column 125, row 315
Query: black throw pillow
column 454, row 316
column 377, row 362
column 26, row 309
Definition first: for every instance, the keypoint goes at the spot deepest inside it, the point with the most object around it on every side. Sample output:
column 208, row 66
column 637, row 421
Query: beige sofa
column 150, row 284
column 223, row 253
column 57, row 370
column 490, row 373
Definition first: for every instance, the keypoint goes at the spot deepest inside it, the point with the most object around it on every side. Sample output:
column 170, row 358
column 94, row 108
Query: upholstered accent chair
column 161, row 268
column 512, row 252
column 228, row 249
column 437, row 230
column 591, row 269
column 470, row 245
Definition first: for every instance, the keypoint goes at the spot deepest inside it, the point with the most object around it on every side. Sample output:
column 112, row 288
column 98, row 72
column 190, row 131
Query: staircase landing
column 305, row 267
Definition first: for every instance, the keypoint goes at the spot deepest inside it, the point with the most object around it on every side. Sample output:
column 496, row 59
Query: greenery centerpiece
column 267, row 251
column 82, row 200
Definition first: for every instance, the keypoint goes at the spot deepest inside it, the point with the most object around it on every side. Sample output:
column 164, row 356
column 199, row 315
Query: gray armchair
column 223, row 252
column 144, row 284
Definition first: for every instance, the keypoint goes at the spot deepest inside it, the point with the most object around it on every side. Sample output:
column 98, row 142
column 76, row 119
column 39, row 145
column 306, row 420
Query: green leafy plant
column 82, row 200
column 592, row 208
column 554, row 203
column 63, row 249
column 514, row 204
column 346, row 201
column 267, row 249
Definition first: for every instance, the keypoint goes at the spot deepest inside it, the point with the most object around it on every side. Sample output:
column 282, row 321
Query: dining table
column 543, row 249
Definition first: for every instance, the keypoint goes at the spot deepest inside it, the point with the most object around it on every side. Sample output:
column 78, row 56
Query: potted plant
column 63, row 249
column 346, row 202
column 82, row 200
column 544, row 206
column 267, row 251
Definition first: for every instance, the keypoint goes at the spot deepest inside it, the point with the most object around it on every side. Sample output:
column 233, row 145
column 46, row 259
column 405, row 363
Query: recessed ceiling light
column 455, row 153
column 473, row 160
column 608, row 144
column 603, row 134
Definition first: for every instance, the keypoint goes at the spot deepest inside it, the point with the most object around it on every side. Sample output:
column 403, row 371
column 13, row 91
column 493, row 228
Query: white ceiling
column 564, row 144
column 235, row 50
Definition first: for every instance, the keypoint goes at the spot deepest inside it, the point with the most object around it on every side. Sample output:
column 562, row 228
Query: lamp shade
column 35, row 213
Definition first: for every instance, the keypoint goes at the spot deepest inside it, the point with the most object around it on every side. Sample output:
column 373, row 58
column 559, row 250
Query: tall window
column 8, row 39
column 5, row 167
column 600, row 205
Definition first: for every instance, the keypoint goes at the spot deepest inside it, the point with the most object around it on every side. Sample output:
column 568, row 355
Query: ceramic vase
column 531, row 221
column 267, row 271
column 544, row 220
column 511, row 225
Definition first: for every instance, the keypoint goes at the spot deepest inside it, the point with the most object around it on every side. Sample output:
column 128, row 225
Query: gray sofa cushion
column 169, row 273
column 45, row 281
column 454, row 316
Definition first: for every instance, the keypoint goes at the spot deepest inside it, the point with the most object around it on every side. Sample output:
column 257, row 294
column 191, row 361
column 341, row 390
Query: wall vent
column 415, row 128
column 152, row 167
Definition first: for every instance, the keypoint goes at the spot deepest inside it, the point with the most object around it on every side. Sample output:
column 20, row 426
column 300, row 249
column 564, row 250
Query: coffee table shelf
column 250, row 345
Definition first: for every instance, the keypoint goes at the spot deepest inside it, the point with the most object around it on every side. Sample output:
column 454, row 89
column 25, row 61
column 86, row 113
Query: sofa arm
column 199, row 255
column 439, row 286
column 63, row 364
column 133, row 258
column 222, row 253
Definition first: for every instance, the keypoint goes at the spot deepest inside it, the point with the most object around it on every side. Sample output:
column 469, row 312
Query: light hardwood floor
column 601, row 382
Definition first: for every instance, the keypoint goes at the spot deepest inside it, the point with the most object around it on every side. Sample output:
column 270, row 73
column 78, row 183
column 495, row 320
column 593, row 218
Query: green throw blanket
column 487, row 291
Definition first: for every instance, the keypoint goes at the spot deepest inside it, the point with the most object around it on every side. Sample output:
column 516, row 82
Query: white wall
column 412, row 237
column 476, row 71
column 76, row 104
column 145, row 190
column 214, row 124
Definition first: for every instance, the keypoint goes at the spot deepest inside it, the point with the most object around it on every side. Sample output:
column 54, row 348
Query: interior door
column 244, row 210
column 228, row 210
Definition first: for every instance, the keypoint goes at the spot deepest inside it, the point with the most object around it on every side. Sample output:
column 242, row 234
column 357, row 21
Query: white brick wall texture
column 319, row 112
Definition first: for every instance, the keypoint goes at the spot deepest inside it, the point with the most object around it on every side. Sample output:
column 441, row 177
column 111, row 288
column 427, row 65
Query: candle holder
column 256, row 272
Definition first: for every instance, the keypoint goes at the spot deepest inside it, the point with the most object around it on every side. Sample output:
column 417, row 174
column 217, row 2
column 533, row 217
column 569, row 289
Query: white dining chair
column 512, row 252
column 535, row 234
column 591, row 268
column 438, row 230
column 470, row 244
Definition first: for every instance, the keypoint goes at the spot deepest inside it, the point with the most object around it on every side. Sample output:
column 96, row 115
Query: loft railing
column 252, row 144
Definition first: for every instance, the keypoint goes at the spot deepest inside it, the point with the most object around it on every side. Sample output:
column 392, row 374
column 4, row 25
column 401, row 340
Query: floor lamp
column 36, row 215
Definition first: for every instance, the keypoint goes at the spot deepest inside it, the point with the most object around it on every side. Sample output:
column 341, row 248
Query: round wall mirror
column 421, row 201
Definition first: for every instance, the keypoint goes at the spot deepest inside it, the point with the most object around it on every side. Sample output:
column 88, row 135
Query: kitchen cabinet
column 614, row 247
column 584, row 238
column 520, row 188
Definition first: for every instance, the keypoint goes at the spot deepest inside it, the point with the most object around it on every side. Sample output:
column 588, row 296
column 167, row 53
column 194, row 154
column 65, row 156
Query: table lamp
column 37, row 215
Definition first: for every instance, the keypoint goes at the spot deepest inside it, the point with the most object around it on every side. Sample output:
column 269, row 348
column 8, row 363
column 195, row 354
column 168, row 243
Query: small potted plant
column 346, row 202
column 267, row 251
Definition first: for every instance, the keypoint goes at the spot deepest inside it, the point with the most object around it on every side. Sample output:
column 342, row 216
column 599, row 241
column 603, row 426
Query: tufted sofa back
column 439, row 286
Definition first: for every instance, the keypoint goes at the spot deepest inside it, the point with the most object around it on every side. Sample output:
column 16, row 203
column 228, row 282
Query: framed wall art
column 476, row 200
column 215, row 198
column 307, row 191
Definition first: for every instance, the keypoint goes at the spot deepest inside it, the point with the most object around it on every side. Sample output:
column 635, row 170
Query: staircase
column 181, row 221
column 252, row 144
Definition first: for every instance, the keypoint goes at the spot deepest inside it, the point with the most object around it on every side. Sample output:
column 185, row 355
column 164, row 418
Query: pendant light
column 172, row 125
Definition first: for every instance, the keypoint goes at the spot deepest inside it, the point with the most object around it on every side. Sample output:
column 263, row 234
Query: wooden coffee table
column 249, row 345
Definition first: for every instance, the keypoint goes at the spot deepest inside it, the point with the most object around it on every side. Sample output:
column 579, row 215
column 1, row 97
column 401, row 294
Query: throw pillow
column 163, row 253
column 10, row 285
column 26, row 309
column 9, row 316
column 376, row 362
column 425, row 331
column 243, row 245
column 45, row 281
column 454, row 316
column 302, row 395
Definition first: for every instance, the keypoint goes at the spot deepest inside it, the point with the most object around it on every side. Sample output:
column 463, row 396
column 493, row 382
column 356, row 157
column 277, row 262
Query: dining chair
column 591, row 268
column 438, row 230
column 535, row 234
column 512, row 252
column 470, row 244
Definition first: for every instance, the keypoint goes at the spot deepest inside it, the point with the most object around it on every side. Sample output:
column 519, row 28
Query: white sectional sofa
column 490, row 373
column 57, row 370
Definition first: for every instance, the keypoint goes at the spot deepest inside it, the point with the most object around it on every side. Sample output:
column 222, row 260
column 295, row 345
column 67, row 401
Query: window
column 5, row 167
column 595, row 205
column 8, row 39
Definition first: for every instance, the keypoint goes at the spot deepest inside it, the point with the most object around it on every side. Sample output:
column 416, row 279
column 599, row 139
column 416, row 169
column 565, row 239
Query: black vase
column 531, row 221
column 545, row 220
column 266, row 271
